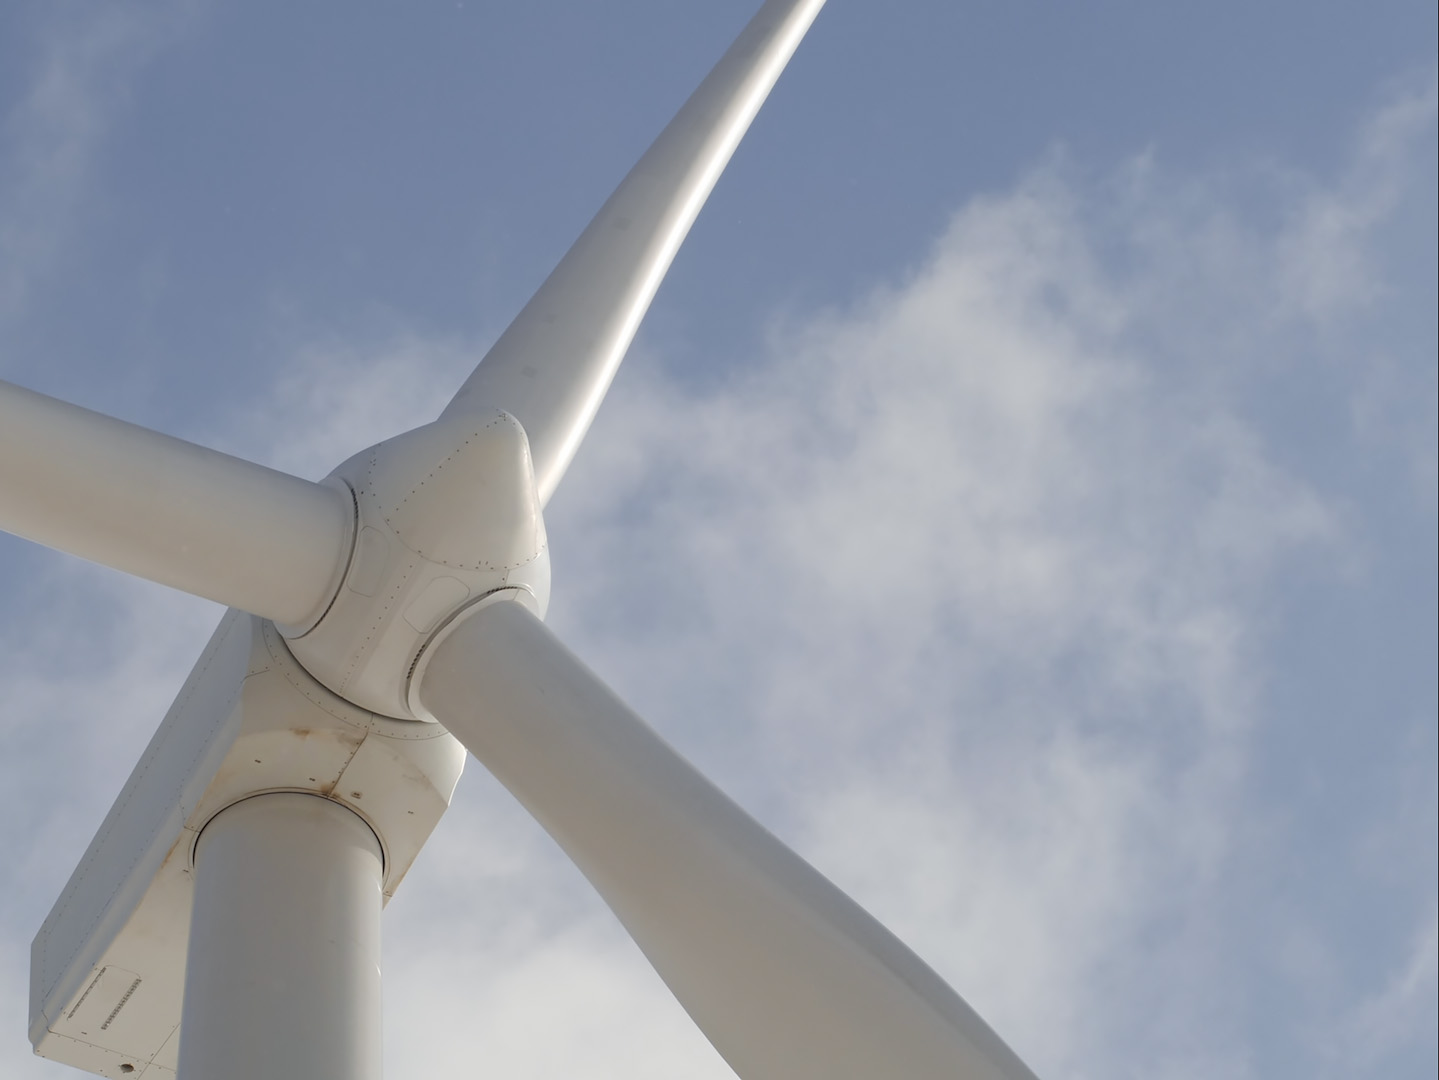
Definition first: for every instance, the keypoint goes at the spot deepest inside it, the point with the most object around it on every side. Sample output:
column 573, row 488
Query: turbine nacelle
column 445, row 515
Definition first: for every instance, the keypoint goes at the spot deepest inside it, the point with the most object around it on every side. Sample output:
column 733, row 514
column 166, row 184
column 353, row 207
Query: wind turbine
column 225, row 920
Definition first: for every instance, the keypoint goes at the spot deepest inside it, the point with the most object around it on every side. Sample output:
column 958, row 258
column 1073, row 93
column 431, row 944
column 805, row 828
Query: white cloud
column 1399, row 1015
column 336, row 398
column 1326, row 256
column 983, row 585
column 50, row 138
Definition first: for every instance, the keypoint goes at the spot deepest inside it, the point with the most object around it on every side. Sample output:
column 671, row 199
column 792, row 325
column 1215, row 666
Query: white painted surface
column 283, row 978
column 785, row 974
column 282, row 975
column 448, row 513
column 552, row 366
column 248, row 720
column 170, row 511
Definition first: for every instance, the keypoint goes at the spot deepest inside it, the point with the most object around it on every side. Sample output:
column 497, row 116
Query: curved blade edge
column 554, row 363
column 158, row 507
column 787, row 976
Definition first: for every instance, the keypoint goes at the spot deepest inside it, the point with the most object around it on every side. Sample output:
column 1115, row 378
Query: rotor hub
column 445, row 515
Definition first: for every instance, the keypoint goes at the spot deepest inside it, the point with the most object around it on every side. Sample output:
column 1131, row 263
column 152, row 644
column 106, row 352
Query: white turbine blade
column 552, row 366
column 788, row 977
column 168, row 510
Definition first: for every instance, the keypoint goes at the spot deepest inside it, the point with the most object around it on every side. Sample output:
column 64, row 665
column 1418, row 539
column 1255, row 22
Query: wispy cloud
column 338, row 397
column 976, row 585
column 1401, row 1014
column 1326, row 252
column 51, row 138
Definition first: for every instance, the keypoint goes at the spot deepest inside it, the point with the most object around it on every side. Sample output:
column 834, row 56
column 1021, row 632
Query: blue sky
column 1022, row 495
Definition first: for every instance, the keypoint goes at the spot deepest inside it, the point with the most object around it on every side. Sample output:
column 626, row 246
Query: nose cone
column 461, row 492
column 446, row 514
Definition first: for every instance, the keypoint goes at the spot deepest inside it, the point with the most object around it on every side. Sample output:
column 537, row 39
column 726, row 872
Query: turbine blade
column 788, row 977
column 168, row 510
column 552, row 366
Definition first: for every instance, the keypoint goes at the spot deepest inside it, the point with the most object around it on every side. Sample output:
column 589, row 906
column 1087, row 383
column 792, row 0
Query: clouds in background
column 993, row 592
column 985, row 572
column 82, row 76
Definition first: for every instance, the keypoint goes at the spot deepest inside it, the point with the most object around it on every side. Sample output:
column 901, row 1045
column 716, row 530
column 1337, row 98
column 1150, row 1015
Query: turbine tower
column 225, row 921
